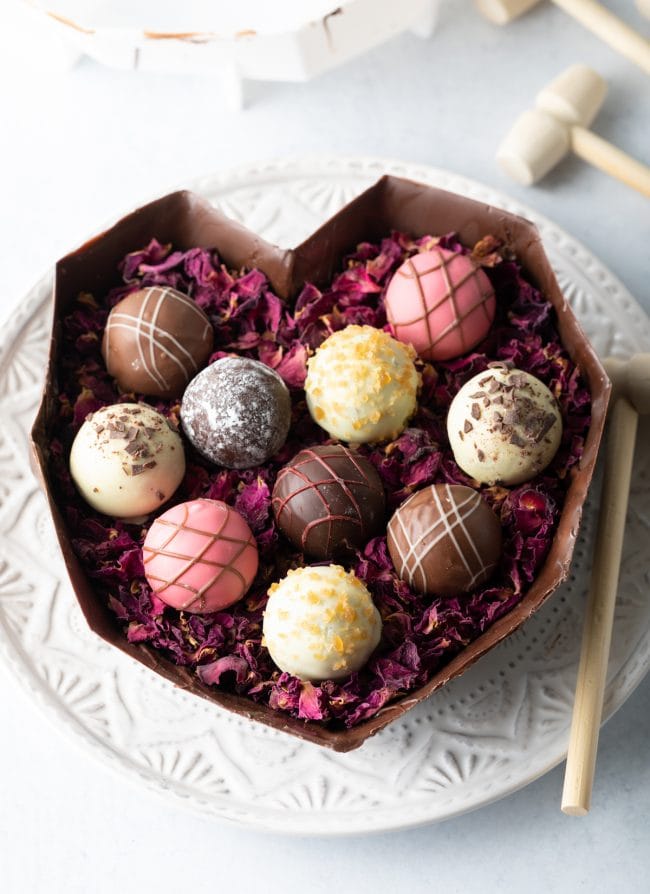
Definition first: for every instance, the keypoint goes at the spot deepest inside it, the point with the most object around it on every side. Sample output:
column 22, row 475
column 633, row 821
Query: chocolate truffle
column 444, row 540
column 237, row 412
column 440, row 302
column 320, row 623
column 328, row 500
column 126, row 460
column 504, row 426
column 362, row 385
column 200, row 556
column 155, row 340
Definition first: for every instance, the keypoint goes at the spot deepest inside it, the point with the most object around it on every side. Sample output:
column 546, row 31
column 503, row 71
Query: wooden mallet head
column 503, row 11
column 541, row 137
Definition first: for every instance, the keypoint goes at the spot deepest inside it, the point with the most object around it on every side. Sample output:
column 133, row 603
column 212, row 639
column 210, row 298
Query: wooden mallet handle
column 631, row 396
column 614, row 31
column 610, row 159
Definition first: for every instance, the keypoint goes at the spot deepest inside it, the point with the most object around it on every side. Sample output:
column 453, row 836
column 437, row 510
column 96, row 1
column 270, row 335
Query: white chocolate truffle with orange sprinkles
column 127, row 461
column 320, row 623
column 362, row 385
column 504, row 426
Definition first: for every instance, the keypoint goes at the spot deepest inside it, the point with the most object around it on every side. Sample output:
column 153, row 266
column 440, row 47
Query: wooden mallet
column 594, row 16
column 563, row 111
column 630, row 397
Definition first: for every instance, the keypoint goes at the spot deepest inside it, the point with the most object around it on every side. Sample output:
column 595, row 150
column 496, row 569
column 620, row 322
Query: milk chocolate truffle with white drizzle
column 237, row 412
column 504, row 426
column 156, row 339
column 444, row 540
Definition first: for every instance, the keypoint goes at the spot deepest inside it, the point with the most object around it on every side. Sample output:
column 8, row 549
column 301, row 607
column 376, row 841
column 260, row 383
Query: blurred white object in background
column 644, row 7
column 252, row 39
column 32, row 42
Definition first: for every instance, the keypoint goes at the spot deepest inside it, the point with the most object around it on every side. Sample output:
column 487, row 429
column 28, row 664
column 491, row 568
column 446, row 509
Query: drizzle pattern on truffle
column 197, row 554
column 155, row 340
column 438, row 542
column 328, row 498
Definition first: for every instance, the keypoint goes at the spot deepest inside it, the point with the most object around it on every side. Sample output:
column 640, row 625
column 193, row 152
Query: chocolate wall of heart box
column 187, row 220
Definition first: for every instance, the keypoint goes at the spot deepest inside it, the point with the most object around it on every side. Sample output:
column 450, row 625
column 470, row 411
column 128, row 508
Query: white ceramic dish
column 493, row 730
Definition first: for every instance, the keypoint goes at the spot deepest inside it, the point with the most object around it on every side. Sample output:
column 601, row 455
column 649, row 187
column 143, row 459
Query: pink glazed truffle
column 200, row 556
column 440, row 302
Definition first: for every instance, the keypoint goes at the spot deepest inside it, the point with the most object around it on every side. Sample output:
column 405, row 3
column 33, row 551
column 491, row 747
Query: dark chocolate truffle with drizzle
column 328, row 500
column 444, row 540
column 237, row 412
column 155, row 340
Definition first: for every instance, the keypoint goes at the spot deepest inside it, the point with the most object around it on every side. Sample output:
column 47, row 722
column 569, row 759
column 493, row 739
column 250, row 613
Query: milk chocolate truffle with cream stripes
column 504, row 426
column 200, row 556
column 237, row 412
column 328, row 500
column 444, row 540
column 440, row 302
column 156, row 339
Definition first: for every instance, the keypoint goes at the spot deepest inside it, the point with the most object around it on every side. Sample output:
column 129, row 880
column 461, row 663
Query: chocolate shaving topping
column 132, row 448
column 160, row 495
column 517, row 440
column 461, row 435
column 477, row 396
column 89, row 417
column 468, row 426
column 493, row 386
column 99, row 429
column 480, row 455
column 547, row 425
column 484, row 381
column 132, row 433
column 476, row 411
column 149, row 432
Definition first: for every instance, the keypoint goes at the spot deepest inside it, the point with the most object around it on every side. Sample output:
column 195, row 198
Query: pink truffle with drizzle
column 440, row 302
column 200, row 556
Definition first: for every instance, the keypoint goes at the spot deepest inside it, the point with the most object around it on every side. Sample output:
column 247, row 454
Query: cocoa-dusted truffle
column 327, row 500
column 444, row 540
column 504, row 426
column 126, row 460
column 155, row 340
column 237, row 412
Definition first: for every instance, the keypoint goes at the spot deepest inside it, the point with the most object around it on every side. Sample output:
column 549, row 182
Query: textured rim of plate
column 356, row 169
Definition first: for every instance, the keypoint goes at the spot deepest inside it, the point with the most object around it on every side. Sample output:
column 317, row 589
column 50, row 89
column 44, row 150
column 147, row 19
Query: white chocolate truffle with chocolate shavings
column 362, row 385
column 126, row 461
column 320, row 623
column 504, row 426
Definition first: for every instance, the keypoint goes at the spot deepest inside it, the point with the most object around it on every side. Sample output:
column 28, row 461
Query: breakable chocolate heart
column 186, row 221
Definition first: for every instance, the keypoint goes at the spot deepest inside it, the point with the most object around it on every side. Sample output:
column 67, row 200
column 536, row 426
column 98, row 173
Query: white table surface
column 82, row 146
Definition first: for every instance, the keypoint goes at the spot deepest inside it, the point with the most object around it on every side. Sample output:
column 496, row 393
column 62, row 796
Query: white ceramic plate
column 491, row 731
